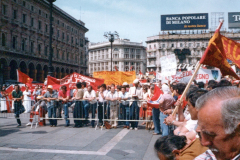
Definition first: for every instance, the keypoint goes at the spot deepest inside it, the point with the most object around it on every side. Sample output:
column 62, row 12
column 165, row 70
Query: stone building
column 126, row 56
column 188, row 48
column 24, row 40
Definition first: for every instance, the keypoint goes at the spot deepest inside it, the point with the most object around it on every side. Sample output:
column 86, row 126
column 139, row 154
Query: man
column 78, row 109
column 135, row 93
column 123, row 96
column 64, row 96
column 38, row 108
column 51, row 96
column 112, row 97
column 17, row 98
column 102, row 103
column 90, row 97
column 219, row 122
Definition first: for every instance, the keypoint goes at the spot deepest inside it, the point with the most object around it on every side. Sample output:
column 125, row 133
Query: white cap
column 135, row 81
column 125, row 84
column 165, row 89
column 50, row 87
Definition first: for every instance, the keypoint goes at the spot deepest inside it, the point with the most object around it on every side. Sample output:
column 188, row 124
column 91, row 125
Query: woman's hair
column 165, row 145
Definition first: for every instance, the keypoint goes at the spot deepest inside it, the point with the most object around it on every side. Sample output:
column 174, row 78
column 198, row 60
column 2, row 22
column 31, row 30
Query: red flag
column 71, row 80
column 116, row 68
column 154, row 101
column 130, row 68
column 154, row 73
column 140, row 72
column 22, row 77
column 215, row 55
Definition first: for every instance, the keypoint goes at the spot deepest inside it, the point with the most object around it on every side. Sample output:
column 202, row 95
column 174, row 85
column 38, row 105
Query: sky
column 137, row 19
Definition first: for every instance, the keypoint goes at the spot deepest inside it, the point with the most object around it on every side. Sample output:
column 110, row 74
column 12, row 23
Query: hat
column 125, row 84
column 135, row 81
column 50, row 87
column 39, row 97
column 165, row 89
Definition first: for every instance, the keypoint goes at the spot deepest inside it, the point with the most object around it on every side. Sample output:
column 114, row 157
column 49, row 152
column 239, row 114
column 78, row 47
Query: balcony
column 24, row 25
column 15, row 22
column 151, row 56
column 4, row 18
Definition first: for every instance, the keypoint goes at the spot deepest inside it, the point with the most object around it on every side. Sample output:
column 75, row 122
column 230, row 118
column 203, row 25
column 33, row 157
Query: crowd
column 205, row 126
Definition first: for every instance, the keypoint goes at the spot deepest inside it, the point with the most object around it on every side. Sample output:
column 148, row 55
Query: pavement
column 68, row 143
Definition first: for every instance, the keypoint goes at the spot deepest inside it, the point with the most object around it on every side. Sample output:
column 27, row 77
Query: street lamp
column 111, row 37
column 50, row 67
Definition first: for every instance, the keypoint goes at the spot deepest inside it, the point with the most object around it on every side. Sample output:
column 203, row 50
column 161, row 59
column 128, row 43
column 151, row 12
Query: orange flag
column 215, row 55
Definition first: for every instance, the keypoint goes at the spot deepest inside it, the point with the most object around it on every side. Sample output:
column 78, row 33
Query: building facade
column 24, row 40
column 188, row 48
column 126, row 56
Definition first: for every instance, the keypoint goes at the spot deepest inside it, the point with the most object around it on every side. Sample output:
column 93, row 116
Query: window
column 181, row 45
column 126, row 63
column 14, row 14
column 39, row 48
column 14, row 42
column 189, row 60
column 46, row 15
column 172, row 44
column 154, row 46
column 189, row 44
column 63, row 36
column 3, row 39
column 23, row 44
column 138, row 56
column 150, row 47
column 198, row 53
column 62, row 24
column 132, row 63
column 46, row 50
column 58, row 33
column 57, row 53
column 32, row 47
column 63, row 54
column 58, row 22
column 39, row 25
column 76, row 41
column 67, row 38
column 67, row 56
column 32, row 8
column 206, row 44
column 163, row 53
column 198, row 44
column 24, row 18
column 46, row 28
column 126, row 49
column 133, row 56
column 39, row 12
column 72, row 39
column 32, row 22
column 24, row 3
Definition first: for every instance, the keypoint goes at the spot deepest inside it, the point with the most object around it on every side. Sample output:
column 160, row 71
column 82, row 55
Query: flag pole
column 188, row 85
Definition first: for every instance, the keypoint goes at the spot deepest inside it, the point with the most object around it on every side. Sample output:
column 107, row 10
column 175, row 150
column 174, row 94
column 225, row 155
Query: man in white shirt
column 112, row 97
column 135, row 93
column 90, row 97
column 102, row 103
column 124, row 96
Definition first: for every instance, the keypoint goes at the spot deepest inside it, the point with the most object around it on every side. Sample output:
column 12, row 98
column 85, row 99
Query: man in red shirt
column 64, row 96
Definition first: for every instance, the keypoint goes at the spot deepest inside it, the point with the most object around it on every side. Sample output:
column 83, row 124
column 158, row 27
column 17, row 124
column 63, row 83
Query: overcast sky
column 137, row 19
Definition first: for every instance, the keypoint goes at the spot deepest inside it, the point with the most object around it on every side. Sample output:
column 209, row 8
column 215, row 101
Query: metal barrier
column 83, row 112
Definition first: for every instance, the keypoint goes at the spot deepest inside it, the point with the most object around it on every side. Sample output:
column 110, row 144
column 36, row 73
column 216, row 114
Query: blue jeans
column 122, row 113
column 52, row 114
column 156, row 120
column 134, row 114
column 127, row 109
column 165, row 129
column 86, row 111
column 66, row 113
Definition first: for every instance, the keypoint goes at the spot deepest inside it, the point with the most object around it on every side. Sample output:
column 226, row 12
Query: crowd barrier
column 84, row 112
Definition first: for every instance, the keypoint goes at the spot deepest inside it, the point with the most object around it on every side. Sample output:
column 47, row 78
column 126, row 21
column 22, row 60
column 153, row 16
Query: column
column 35, row 75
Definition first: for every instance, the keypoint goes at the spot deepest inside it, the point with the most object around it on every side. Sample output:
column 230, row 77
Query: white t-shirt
column 112, row 95
column 90, row 95
column 191, row 124
column 101, row 99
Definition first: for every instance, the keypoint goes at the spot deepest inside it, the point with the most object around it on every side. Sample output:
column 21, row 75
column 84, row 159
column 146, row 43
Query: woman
column 4, row 100
column 143, row 108
column 27, row 100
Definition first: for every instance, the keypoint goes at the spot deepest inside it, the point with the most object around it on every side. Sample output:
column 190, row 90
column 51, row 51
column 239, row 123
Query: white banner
column 168, row 65
column 203, row 75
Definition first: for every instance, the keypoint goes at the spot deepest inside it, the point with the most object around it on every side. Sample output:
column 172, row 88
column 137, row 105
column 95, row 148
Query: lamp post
column 50, row 67
column 111, row 37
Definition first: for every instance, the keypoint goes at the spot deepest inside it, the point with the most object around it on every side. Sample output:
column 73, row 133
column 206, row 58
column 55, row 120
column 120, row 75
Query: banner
column 116, row 77
column 168, row 65
column 71, row 80
column 203, row 75
column 233, row 20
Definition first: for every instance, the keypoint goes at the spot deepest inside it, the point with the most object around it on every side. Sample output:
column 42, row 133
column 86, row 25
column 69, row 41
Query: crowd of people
column 205, row 126
column 207, row 123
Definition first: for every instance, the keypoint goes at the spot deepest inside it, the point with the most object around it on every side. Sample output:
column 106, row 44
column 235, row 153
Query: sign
column 116, row 77
column 168, row 65
column 234, row 20
column 71, row 80
column 184, row 21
